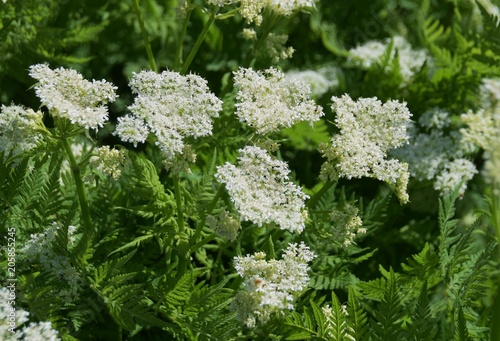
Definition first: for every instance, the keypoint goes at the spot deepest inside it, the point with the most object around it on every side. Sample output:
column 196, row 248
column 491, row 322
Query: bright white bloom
column 320, row 81
column 483, row 127
column 225, row 225
column 368, row 130
column 66, row 94
column 459, row 170
column 251, row 10
column 18, row 129
column 275, row 47
column 346, row 225
column 370, row 53
column 249, row 34
column 270, row 286
column 40, row 249
column 109, row 161
column 261, row 191
column 172, row 107
column 268, row 101
column 131, row 129
column 11, row 327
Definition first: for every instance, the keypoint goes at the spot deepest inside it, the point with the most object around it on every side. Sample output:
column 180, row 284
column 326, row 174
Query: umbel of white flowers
column 368, row 130
column 267, row 100
column 66, row 94
column 270, row 286
column 261, row 191
column 251, row 10
column 170, row 106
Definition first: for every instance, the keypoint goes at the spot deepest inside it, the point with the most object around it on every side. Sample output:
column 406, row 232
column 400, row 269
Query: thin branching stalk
column 180, row 42
column 210, row 208
column 145, row 36
column 199, row 41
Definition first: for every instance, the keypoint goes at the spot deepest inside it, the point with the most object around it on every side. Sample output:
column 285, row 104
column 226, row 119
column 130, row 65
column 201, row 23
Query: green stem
column 145, row 36
column 183, row 242
column 200, row 40
column 178, row 51
column 495, row 220
column 210, row 208
column 315, row 198
column 80, row 189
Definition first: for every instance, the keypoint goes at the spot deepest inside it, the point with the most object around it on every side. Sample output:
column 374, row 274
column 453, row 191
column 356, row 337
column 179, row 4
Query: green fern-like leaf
column 422, row 327
column 358, row 320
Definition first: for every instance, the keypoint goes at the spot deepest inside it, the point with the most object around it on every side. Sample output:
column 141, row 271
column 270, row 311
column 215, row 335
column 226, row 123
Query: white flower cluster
column 251, row 10
column 483, row 130
column 455, row 172
column 109, row 161
column 268, row 101
column 370, row 53
column 346, row 224
column 11, row 321
column 224, row 225
column 172, row 107
column 18, row 127
column 332, row 330
column 433, row 155
column 368, row 131
column 40, row 249
column 490, row 90
column 66, row 94
column 270, row 286
column 320, row 81
column 261, row 191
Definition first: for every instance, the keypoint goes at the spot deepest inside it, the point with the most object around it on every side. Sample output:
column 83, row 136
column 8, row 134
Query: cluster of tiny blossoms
column 224, row 225
column 109, row 161
column 261, row 191
column 270, row 286
column 172, row 107
column 368, row 130
column 370, row 53
column 269, row 101
column 18, row 129
column 435, row 155
column 40, row 249
column 10, row 326
column 66, row 94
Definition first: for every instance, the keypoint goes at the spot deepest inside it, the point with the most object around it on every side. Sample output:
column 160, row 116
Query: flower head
column 170, row 106
column 270, row 286
column 66, row 94
column 268, row 101
column 260, row 189
column 18, row 127
column 368, row 130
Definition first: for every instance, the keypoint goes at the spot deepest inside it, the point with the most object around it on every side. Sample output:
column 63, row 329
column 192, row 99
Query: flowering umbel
column 269, row 101
column 172, row 107
column 270, row 286
column 66, row 94
column 261, row 191
column 368, row 130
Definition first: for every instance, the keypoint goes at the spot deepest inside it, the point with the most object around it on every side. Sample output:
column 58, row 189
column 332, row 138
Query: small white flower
column 109, row 161
column 455, row 172
column 270, row 286
column 172, row 107
column 320, row 81
column 268, row 101
column 66, row 94
column 368, row 130
column 261, row 191
column 18, row 127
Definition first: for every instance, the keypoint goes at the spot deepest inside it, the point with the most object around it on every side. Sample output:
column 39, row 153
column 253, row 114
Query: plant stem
column 183, row 242
column 80, row 189
column 315, row 198
column 200, row 40
column 178, row 51
column 145, row 37
column 210, row 208
column 495, row 220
